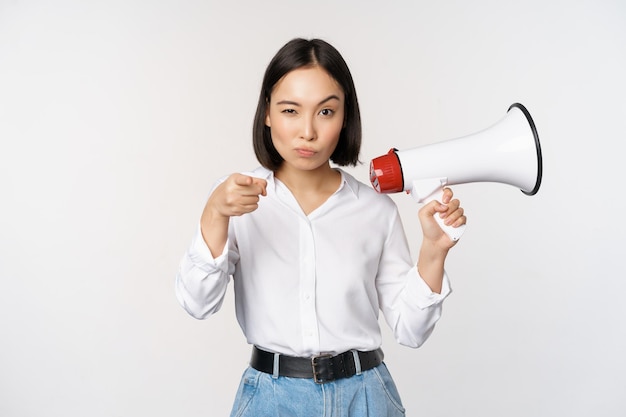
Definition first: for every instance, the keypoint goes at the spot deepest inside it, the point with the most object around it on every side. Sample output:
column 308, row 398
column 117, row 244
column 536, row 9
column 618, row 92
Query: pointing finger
column 241, row 179
column 261, row 183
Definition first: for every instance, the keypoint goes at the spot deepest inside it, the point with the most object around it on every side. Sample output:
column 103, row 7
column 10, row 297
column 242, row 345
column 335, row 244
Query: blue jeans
column 369, row 394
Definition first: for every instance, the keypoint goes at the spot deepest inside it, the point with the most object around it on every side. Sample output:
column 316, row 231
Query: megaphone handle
column 453, row 233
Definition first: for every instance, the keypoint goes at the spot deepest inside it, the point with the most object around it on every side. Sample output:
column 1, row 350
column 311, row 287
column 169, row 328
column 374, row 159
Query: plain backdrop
column 116, row 117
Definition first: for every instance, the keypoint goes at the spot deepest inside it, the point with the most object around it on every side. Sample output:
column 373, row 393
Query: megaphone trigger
column 422, row 189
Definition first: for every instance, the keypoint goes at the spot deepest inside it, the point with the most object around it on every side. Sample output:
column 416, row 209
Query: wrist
column 430, row 264
column 432, row 251
column 214, row 229
column 213, row 218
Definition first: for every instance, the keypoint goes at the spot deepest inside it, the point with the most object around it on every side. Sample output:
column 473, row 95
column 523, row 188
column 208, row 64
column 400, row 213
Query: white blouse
column 311, row 284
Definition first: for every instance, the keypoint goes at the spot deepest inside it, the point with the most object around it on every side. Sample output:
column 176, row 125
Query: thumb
column 432, row 208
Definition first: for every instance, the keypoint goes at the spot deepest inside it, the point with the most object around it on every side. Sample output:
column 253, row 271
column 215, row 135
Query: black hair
column 299, row 53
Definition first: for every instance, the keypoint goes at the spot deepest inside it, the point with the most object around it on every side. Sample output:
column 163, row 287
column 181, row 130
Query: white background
column 117, row 116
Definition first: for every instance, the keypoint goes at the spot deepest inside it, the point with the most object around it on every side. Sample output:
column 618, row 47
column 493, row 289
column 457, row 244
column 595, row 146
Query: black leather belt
column 321, row 368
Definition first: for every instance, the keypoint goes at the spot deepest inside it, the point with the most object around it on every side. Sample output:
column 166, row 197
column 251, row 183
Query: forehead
column 306, row 84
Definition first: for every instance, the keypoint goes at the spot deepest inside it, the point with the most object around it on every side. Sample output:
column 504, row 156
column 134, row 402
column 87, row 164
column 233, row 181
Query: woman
column 314, row 254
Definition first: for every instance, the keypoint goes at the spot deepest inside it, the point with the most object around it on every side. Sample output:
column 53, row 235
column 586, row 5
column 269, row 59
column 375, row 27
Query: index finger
column 241, row 179
column 261, row 183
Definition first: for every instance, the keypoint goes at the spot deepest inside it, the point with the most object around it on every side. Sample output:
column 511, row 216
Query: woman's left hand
column 450, row 211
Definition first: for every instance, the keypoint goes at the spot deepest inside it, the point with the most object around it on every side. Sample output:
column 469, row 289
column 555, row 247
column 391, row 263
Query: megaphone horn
column 508, row 152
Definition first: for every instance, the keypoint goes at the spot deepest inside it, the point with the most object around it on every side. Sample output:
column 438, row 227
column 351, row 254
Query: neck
column 310, row 188
column 318, row 179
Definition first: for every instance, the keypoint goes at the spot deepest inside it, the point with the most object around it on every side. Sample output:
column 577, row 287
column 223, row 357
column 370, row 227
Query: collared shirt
column 307, row 284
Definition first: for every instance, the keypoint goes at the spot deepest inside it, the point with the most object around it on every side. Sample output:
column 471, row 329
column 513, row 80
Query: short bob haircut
column 295, row 54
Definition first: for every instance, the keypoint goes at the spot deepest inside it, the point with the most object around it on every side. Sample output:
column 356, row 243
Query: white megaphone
column 507, row 152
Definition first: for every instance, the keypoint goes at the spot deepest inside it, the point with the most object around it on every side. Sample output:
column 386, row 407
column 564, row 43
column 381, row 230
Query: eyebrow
column 294, row 103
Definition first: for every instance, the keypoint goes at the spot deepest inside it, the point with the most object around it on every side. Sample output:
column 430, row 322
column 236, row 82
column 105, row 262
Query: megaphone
column 507, row 152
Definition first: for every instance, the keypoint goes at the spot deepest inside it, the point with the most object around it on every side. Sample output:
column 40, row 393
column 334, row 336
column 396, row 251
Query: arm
column 202, row 280
column 206, row 267
column 415, row 309
column 237, row 195
column 436, row 243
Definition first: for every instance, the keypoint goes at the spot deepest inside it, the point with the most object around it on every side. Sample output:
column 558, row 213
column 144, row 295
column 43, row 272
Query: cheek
column 332, row 131
column 280, row 131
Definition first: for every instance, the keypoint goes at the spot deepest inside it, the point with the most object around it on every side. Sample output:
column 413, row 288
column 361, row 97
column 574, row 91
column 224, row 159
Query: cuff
column 420, row 293
column 201, row 256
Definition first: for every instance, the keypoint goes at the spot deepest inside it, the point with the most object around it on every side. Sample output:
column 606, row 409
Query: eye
column 327, row 112
column 289, row 111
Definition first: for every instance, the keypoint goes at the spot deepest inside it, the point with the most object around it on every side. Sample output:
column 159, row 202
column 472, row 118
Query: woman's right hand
column 237, row 195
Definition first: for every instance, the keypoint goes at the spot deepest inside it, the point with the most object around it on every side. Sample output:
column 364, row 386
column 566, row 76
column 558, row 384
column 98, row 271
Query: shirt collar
column 347, row 180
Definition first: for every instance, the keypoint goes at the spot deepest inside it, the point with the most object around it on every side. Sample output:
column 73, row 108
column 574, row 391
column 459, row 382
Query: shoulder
column 367, row 194
column 259, row 172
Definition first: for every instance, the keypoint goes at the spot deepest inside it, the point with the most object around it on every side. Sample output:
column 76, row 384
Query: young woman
column 314, row 254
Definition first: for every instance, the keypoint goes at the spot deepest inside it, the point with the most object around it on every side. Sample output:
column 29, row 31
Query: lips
column 305, row 152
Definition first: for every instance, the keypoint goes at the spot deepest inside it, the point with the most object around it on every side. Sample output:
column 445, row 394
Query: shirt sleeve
column 410, row 307
column 419, row 310
column 418, row 291
column 202, row 280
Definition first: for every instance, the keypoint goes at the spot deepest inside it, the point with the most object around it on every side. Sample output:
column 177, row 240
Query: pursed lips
column 305, row 152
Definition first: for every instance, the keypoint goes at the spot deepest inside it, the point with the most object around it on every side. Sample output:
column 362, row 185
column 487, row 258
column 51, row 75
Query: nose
column 308, row 131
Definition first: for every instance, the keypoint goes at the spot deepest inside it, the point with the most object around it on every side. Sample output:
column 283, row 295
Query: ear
column 268, row 121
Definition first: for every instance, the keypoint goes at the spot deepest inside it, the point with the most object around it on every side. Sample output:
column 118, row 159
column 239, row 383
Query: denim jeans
column 369, row 394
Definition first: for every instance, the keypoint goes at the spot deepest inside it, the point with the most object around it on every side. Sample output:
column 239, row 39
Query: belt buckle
column 315, row 361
